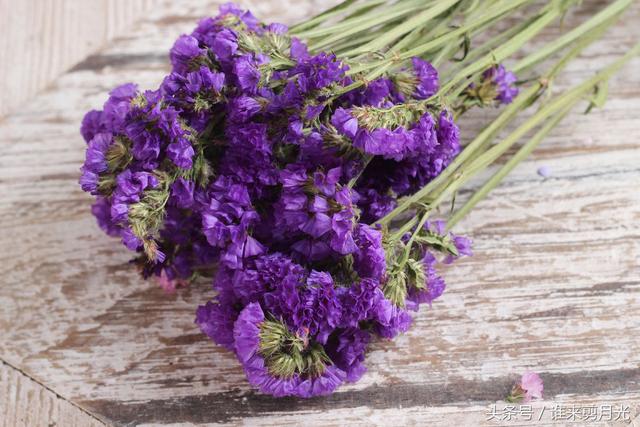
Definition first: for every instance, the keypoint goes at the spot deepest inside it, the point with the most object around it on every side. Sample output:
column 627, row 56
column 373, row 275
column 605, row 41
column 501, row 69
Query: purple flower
column 249, row 156
column 427, row 77
column 225, row 45
column 363, row 300
column 183, row 53
column 101, row 210
column 310, row 307
column 226, row 221
column 88, row 181
column 346, row 349
column 398, row 322
column 433, row 287
column 182, row 193
column 204, row 80
column 277, row 28
column 317, row 72
column 369, row 260
column 463, row 246
column 247, row 73
column 95, row 159
column 504, row 82
column 91, row 125
column 345, row 123
column 245, row 16
column 299, row 51
column 114, row 112
column 129, row 188
column 247, row 332
column 181, row 153
column 317, row 211
column 133, row 242
column 243, row 108
column 391, row 144
column 216, row 319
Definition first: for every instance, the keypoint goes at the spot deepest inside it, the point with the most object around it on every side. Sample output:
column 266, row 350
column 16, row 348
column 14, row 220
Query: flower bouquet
column 305, row 170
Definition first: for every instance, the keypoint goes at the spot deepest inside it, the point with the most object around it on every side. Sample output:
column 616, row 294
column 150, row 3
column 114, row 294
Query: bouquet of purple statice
column 300, row 169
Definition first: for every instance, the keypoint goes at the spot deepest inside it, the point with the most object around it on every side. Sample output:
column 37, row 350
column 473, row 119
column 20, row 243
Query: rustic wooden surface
column 43, row 38
column 554, row 285
column 24, row 402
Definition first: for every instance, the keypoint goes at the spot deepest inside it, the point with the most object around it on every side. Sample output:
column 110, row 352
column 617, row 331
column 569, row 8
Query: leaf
column 416, row 277
column 599, row 97
column 466, row 45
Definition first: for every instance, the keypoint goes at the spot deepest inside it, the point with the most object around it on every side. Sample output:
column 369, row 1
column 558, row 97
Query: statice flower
column 427, row 78
column 279, row 362
column 502, row 82
column 316, row 212
column 364, row 301
column 529, row 388
column 129, row 190
column 216, row 319
column 95, row 162
column 347, row 351
column 185, row 52
column 226, row 222
column 263, row 166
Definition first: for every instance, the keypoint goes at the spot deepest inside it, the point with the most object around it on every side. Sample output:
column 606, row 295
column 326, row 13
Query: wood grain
column 25, row 403
column 43, row 38
column 554, row 285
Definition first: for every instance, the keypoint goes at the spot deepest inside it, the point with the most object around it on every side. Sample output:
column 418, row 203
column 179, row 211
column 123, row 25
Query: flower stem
column 352, row 26
column 608, row 14
column 508, row 167
column 407, row 26
column 328, row 14
column 558, row 106
column 492, row 14
column 502, row 52
column 454, row 175
column 521, row 102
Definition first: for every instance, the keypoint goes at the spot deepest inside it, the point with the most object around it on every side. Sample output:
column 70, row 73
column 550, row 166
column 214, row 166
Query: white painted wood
column 25, row 403
column 43, row 38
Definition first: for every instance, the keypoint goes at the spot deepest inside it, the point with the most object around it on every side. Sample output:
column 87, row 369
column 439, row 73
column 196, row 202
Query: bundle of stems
column 377, row 37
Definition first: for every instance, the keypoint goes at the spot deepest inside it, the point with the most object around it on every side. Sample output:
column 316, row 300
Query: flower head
column 529, row 387
column 503, row 82
column 280, row 362
column 183, row 52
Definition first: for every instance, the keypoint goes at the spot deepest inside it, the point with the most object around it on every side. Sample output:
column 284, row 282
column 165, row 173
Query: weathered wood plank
column 554, row 284
column 43, row 38
column 25, row 403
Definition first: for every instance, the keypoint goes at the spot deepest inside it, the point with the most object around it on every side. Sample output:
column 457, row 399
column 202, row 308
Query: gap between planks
column 25, row 402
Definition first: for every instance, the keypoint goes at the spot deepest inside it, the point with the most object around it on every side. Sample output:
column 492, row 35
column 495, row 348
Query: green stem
column 359, row 23
column 607, row 14
column 502, row 52
column 556, row 106
column 523, row 100
column 409, row 25
column 508, row 167
column 327, row 14
column 491, row 15
column 451, row 175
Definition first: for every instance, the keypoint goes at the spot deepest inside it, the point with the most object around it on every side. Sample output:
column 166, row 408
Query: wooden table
column 554, row 285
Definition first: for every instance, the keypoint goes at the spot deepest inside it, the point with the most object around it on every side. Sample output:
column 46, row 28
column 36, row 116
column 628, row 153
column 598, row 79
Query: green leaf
column 601, row 91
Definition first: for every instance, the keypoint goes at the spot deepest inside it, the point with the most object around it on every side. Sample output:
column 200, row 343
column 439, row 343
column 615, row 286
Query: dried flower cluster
column 271, row 168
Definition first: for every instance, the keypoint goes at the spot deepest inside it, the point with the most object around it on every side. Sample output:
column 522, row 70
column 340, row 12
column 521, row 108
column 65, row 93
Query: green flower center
column 287, row 354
